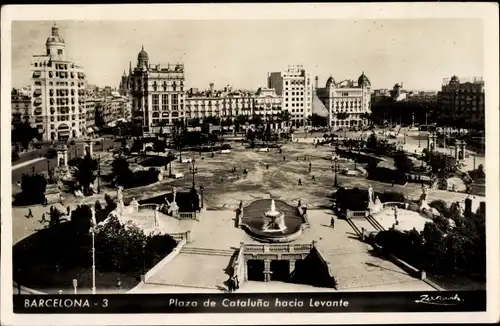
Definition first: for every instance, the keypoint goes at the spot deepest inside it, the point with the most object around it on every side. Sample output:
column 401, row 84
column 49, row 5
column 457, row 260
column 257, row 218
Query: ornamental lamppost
column 335, row 182
column 98, row 173
column 193, row 169
column 201, row 191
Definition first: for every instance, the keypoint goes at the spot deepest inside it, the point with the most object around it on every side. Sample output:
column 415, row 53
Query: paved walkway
column 20, row 165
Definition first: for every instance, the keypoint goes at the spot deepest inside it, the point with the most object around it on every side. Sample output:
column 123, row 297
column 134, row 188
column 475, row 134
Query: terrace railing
column 356, row 214
column 145, row 207
column 274, row 248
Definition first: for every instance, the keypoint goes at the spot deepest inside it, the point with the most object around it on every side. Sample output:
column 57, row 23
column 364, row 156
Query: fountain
column 276, row 219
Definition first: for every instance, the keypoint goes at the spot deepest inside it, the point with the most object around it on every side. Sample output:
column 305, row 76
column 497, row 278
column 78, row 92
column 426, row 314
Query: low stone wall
column 326, row 263
column 165, row 260
column 356, row 214
column 239, row 264
column 182, row 236
column 413, row 271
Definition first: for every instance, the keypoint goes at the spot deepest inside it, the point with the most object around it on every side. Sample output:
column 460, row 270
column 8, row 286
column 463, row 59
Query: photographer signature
column 439, row 300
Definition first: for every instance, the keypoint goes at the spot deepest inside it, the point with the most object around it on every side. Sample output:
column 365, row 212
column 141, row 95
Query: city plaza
column 215, row 244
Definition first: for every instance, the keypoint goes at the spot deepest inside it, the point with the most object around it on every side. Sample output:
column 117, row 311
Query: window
column 59, row 52
column 156, row 104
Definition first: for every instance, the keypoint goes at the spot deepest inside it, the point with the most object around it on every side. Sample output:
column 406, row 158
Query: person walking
column 230, row 285
column 43, row 218
column 30, row 213
column 332, row 223
column 236, row 283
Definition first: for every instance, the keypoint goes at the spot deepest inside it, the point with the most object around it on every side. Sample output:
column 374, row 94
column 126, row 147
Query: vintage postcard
column 250, row 164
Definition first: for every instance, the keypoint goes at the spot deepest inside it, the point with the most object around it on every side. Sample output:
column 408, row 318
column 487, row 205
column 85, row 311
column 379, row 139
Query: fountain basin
column 255, row 222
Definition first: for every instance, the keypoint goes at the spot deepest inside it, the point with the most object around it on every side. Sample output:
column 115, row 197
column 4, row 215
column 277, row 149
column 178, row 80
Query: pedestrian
column 313, row 177
column 213, row 154
column 280, row 151
column 68, row 210
column 30, row 213
column 43, row 218
column 332, row 223
column 300, row 182
column 284, row 158
column 305, row 158
column 230, row 285
column 393, row 182
column 236, row 283
column 297, row 158
column 267, row 166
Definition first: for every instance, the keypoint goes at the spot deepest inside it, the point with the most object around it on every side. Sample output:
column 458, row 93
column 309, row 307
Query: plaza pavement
column 352, row 263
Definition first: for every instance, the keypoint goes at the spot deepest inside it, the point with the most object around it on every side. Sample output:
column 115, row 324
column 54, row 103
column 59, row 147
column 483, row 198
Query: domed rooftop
column 54, row 38
column 363, row 80
column 143, row 55
column 330, row 81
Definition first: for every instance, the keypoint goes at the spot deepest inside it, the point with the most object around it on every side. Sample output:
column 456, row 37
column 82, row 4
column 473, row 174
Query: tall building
column 157, row 92
column 295, row 87
column 347, row 101
column 461, row 100
column 58, row 92
column 21, row 107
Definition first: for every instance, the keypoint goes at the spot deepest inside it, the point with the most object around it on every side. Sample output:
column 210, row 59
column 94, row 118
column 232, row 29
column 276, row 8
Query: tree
column 121, row 170
column 85, row 172
column 402, row 162
column 284, row 116
column 240, row 120
column 81, row 220
column 24, row 133
column 372, row 142
column 342, row 115
column 33, row 188
column 159, row 146
column 110, row 203
column 121, row 247
column 317, row 120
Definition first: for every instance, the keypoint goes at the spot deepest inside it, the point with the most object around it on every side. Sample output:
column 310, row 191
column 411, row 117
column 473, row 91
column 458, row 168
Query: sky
column 418, row 52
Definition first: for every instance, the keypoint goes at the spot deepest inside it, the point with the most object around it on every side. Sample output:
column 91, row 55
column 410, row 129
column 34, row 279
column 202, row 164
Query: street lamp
column 335, row 182
column 201, row 191
column 193, row 169
column 98, row 173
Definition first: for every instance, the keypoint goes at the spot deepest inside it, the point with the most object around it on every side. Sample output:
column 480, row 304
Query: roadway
column 41, row 166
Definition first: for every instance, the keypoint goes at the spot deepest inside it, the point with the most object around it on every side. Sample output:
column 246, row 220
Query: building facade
column 58, row 92
column 295, row 88
column 21, row 107
column 157, row 92
column 347, row 101
column 461, row 100
column 268, row 105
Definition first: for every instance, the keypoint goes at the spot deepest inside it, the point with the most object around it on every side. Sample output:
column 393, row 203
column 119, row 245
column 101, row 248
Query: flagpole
column 92, row 230
column 93, row 263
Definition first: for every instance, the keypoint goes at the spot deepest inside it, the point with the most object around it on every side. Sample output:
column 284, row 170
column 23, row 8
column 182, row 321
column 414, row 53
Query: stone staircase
column 207, row 251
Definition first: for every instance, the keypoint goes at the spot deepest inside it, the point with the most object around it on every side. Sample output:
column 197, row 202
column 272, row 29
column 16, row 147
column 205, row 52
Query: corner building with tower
column 57, row 92
column 157, row 93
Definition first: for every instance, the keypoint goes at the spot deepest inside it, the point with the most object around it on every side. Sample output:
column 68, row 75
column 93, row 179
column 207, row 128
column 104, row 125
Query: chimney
column 316, row 79
column 211, row 87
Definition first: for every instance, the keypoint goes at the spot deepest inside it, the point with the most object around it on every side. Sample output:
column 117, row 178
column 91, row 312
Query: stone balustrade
column 278, row 248
column 151, row 207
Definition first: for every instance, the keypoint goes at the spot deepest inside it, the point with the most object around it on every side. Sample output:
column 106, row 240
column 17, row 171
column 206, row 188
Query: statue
column 172, row 207
column 423, row 199
column 370, row 195
column 119, row 196
column 134, row 205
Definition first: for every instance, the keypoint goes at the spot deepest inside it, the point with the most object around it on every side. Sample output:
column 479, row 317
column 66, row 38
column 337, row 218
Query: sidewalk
column 20, row 165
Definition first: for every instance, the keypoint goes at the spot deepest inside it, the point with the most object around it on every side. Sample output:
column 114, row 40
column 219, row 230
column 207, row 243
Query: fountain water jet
column 276, row 219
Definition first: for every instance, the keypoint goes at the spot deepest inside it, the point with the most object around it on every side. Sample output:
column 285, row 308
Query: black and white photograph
column 244, row 161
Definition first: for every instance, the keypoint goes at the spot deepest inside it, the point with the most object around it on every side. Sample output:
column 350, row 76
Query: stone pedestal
column 267, row 270
column 88, row 148
column 431, row 142
column 62, row 156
